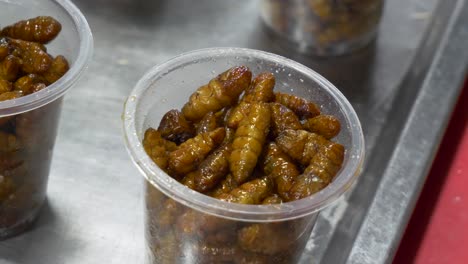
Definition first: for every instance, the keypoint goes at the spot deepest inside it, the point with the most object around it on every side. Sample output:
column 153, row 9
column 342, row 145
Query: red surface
column 438, row 229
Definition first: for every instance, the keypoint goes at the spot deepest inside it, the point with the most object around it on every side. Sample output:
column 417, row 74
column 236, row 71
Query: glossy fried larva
column 189, row 180
column 33, row 56
column 8, row 142
column 327, row 162
column 226, row 186
column 230, row 135
column 5, row 86
column 175, row 127
column 248, row 141
column 27, row 84
column 208, row 123
column 321, row 171
column 193, row 151
column 221, row 91
column 9, row 68
column 157, row 147
column 38, row 86
column 325, row 125
column 57, row 69
column 273, row 199
column 261, row 90
column 301, row 145
column 281, row 168
column 303, row 108
column 6, row 188
column 40, row 29
column 265, row 238
column 213, row 169
column 252, row 192
column 322, row 157
column 305, row 185
column 283, row 118
column 238, row 113
column 9, row 95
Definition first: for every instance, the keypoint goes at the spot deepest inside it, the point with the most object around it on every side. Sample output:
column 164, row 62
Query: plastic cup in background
column 28, row 125
column 184, row 226
column 323, row 27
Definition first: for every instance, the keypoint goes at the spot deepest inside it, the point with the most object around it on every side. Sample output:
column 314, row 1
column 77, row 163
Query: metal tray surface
column 403, row 87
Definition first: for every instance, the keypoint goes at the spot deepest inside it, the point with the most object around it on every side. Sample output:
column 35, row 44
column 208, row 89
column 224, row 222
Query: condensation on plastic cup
column 148, row 93
column 33, row 119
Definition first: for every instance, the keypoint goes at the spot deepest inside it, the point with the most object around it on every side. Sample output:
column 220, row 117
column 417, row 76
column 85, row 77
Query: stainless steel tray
column 403, row 87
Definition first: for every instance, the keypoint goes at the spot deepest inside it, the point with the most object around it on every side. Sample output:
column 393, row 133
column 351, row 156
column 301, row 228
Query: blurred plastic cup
column 323, row 27
column 28, row 125
column 184, row 226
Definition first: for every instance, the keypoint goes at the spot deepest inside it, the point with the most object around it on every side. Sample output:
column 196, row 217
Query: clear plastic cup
column 323, row 27
column 28, row 125
column 184, row 226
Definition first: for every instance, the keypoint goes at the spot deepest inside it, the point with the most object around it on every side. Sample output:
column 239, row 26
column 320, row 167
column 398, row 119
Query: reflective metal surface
column 403, row 87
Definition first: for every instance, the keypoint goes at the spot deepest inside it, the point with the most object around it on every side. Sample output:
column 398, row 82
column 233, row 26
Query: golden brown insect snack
column 251, row 146
column 27, row 139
